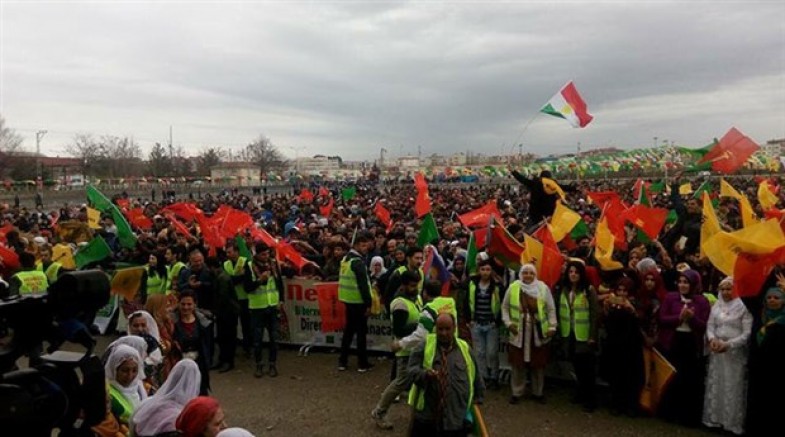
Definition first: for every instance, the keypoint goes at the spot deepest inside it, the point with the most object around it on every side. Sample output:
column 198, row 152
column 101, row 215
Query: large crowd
column 661, row 295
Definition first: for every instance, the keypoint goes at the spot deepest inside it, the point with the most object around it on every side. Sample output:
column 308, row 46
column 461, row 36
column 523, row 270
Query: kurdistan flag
column 569, row 105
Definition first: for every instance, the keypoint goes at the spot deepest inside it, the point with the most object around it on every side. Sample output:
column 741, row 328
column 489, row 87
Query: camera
column 60, row 390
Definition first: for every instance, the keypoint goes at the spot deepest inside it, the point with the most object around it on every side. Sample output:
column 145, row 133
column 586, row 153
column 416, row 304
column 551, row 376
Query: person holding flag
column 544, row 192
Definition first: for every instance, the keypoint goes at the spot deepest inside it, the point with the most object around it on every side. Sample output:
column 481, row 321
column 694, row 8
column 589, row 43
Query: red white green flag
column 569, row 105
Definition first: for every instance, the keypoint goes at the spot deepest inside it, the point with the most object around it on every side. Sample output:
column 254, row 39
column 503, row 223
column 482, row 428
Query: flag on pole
column 563, row 221
column 731, row 152
column 759, row 239
column 481, row 216
column 428, row 231
column 97, row 199
column 569, row 105
column 748, row 217
column 710, row 224
column 94, row 251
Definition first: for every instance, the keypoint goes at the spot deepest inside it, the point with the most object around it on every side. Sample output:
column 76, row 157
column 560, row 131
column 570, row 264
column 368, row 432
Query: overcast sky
column 351, row 77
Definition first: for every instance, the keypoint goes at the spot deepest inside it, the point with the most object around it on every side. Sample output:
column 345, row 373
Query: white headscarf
column 378, row 260
column 155, row 358
column 234, row 432
column 136, row 342
column 532, row 289
column 734, row 307
column 158, row 414
column 135, row 392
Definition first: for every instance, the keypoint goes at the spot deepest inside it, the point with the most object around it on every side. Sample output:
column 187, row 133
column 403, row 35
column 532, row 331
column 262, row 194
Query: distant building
column 317, row 165
column 242, row 174
column 774, row 148
column 458, row 159
column 408, row 163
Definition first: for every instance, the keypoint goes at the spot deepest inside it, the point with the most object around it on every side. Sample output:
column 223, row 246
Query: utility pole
column 577, row 165
column 39, row 171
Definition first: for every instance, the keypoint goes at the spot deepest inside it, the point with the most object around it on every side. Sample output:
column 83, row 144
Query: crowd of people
column 661, row 294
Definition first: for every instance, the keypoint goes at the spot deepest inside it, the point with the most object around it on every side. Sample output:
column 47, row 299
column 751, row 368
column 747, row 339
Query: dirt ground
column 311, row 397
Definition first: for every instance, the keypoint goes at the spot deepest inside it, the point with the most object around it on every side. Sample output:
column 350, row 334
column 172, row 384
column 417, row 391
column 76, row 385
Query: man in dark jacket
column 354, row 290
column 227, row 311
column 543, row 192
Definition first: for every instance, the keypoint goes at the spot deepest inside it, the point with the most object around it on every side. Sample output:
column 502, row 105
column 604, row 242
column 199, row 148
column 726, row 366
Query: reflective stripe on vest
column 33, row 281
column 417, row 395
column 411, row 321
column 125, row 404
column 265, row 296
column 51, row 272
column 711, row 298
column 495, row 304
column 580, row 308
column 235, row 271
column 155, row 283
column 515, row 304
column 348, row 290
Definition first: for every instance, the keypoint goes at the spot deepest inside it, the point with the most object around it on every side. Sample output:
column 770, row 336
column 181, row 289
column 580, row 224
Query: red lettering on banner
column 296, row 292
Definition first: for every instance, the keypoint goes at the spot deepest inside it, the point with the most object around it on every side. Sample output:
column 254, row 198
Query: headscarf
column 155, row 358
column 196, row 415
column 159, row 413
column 734, row 307
column 771, row 317
column 136, row 342
column 235, row 432
column 646, row 265
column 694, row 278
column 135, row 392
column 378, row 260
column 533, row 289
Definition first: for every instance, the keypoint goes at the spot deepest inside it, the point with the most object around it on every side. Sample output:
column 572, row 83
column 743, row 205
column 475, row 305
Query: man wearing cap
column 354, row 290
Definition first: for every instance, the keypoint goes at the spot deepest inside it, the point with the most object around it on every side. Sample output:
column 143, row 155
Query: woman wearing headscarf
column 142, row 324
column 767, row 361
column 158, row 414
column 201, row 417
column 578, row 320
column 727, row 332
column 529, row 313
column 683, row 317
column 125, row 385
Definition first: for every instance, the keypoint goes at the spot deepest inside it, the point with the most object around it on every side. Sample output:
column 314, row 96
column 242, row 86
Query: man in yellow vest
column 235, row 267
column 484, row 304
column 434, row 304
column 52, row 269
column 446, row 383
column 28, row 280
column 414, row 259
column 354, row 290
column 404, row 314
column 264, row 303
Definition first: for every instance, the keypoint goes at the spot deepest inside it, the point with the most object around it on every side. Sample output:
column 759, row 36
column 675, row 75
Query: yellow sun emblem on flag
column 566, row 109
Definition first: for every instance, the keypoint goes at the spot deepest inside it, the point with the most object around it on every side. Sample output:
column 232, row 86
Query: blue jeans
column 485, row 339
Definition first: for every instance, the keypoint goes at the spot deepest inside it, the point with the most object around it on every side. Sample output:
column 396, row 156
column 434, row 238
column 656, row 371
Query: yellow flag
column 766, row 197
column 603, row 247
column 710, row 225
column 63, row 254
column 724, row 247
column 748, row 217
column 685, row 189
column 532, row 252
column 93, row 218
column 562, row 222
column 126, row 282
column 551, row 187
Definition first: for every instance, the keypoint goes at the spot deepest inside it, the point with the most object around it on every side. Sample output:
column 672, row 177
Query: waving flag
column 326, row 210
column 383, row 214
column 186, row 211
column 435, row 269
column 763, row 238
column 731, row 152
column 481, row 216
column 569, row 105
column 503, row 246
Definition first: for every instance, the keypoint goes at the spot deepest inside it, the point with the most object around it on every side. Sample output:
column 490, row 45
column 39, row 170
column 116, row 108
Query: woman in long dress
column 529, row 313
column 727, row 332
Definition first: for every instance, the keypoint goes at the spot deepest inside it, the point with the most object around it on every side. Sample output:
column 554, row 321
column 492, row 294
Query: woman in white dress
column 727, row 332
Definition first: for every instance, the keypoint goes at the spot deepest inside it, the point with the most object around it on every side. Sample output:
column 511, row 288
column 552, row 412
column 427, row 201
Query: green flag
column 96, row 250
column 242, row 247
column 348, row 193
column 124, row 232
column 97, row 199
column 699, row 192
column 471, row 255
column 580, row 230
column 428, row 231
column 657, row 187
column 643, row 199
column 672, row 217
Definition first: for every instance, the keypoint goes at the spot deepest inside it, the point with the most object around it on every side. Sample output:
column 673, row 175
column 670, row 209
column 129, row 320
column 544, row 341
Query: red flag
column 137, row 218
column 210, row 232
column 186, row 211
column 552, row 259
column 230, row 221
column 332, row 311
column 6, row 229
column 481, row 216
column 179, row 227
column 731, row 152
column 287, row 252
column 422, row 205
column 419, row 182
column 10, row 260
column 123, row 203
column 614, row 210
column 383, row 214
column 306, row 195
column 323, row 192
column 751, row 271
column 264, row 237
column 649, row 220
column 504, row 247
column 326, row 210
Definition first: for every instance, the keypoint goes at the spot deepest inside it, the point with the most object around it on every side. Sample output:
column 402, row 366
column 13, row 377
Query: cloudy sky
column 351, row 77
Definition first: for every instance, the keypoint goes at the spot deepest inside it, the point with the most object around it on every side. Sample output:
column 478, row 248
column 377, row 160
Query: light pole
column 38, row 135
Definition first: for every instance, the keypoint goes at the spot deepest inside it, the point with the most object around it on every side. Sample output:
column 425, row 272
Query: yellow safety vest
column 156, row 284
column 515, row 304
column 174, row 273
column 265, row 296
column 420, row 283
column 414, row 317
column 51, row 272
column 711, row 298
column 32, row 281
column 234, row 271
column 125, row 405
column 348, row 290
column 417, row 395
column 495, row 301
column 580, row 310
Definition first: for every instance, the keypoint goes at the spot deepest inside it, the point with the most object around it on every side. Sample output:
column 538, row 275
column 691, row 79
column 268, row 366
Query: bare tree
column 159, row 161
column 208, row 159
column 85, row 148
column 10, row 143
column 265, row 155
